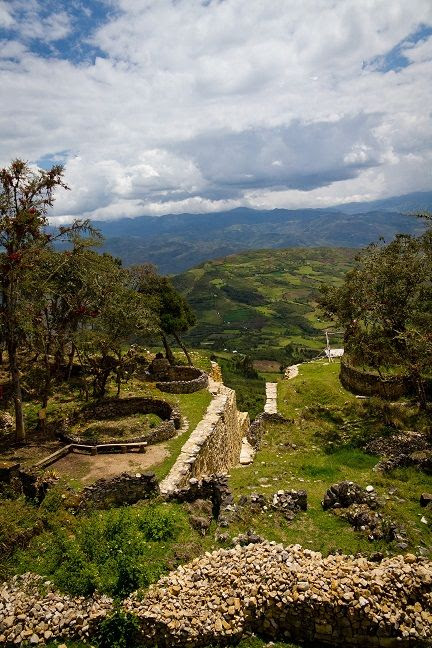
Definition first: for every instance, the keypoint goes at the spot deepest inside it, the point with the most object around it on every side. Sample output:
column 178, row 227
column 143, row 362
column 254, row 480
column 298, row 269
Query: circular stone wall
column 184, row 380
column 117, row 408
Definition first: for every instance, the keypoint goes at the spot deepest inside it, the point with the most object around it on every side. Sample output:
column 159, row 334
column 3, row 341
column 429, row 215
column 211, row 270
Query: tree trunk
column 421, row 392
column 185, row 351
column 71, row 357
column 169, row 354
column 20, row 434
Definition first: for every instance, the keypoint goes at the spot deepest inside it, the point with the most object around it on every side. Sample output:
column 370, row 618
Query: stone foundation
column 117, row 408
column 125, row 489
column 184, row 380
column 369, row 384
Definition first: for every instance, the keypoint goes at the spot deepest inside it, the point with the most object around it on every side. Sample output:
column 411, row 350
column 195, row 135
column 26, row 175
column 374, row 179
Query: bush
column 119, row 630
column 115, row 551
column 158, row 524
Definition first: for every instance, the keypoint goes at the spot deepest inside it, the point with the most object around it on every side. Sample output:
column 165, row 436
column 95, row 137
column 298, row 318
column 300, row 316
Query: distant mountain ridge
column 176, row 242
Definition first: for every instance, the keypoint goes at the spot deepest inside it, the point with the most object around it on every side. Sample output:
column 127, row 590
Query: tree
column 116, row 315
column 385, row 306
column 59, row 302
column 174, row 313
column 26, row 195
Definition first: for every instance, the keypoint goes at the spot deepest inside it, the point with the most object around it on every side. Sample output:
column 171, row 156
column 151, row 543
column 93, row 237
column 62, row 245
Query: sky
column 170, row 106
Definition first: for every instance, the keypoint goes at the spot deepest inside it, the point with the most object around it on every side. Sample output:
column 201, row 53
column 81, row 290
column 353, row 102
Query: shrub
column 115, row 551
column 119, row 630
column 158, row 524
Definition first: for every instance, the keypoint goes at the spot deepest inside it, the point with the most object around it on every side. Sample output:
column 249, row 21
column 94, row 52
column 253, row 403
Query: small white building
column 334, row 353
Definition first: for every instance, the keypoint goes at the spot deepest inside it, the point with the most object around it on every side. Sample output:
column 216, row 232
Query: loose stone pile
column 293, row 593
column 31, row 610
column 287, row 502
column 373, row 523
column 402, row 449
column 359, row 506
column 346, row 493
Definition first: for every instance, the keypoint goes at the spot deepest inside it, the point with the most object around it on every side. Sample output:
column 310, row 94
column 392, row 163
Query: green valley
column 263, row 302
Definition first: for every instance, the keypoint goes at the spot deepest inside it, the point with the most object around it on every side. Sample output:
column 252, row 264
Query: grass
column 318, row 406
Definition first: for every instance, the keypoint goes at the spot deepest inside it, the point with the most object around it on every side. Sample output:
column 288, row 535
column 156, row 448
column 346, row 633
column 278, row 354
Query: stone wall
column 119, row 491
column 289, row 594
column 116, row 408
column 369, row 384
column 215, row 444
column 184, row 380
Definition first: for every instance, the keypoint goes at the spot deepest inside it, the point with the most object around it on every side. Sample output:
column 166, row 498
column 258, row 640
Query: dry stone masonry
column 32, row 611
column 122, row 490
column 271, row 398
column 292, row 593
column 214, row 446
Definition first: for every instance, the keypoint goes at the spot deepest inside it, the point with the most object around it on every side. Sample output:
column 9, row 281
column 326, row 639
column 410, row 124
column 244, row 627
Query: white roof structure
column 334, row 353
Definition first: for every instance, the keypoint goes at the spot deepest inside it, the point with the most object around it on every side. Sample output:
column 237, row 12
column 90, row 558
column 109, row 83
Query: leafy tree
column 59, row 302
column 385, row 306
column 25, row 197
column 174, row 313
column 116, row 315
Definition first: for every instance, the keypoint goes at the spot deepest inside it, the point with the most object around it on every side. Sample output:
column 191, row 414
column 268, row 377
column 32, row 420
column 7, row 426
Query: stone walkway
column 271, row 395
column 292, row 371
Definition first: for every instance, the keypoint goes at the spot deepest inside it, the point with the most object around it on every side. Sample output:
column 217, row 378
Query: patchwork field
column 263, row 303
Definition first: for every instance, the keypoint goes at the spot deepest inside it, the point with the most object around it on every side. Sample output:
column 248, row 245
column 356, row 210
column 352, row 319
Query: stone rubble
column 292, row 593
column 345, row 493
column 31, row 610
column 359, row 506
column 402, row 449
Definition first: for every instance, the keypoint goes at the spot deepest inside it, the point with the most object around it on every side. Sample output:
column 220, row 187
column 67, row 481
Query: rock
column 425, row 499
column 278, row 591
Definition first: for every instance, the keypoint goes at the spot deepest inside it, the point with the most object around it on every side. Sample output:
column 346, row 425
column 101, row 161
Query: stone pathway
column 271, row 395
column 292, row 371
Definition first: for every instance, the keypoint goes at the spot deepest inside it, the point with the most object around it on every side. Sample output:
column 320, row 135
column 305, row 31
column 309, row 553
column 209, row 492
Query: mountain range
column 176, row 242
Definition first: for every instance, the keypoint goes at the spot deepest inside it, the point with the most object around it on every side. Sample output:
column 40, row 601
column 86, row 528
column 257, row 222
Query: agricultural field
column 263, row 303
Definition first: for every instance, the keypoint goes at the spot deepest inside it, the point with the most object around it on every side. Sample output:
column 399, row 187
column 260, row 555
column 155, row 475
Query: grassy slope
column 259, row 302
column 310, row 467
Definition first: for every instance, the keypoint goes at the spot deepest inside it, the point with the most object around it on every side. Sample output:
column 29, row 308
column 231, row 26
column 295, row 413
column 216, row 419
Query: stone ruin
column 359, row 507
column 176, row 379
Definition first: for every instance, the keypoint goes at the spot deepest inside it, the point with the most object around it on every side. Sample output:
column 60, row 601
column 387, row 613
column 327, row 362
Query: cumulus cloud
column 197, row 106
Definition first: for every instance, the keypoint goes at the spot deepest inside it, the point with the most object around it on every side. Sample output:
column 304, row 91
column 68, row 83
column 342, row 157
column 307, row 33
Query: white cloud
column 196, row 106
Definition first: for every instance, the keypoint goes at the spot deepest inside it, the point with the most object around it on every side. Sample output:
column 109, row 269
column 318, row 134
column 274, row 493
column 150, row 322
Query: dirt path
column 88, row 469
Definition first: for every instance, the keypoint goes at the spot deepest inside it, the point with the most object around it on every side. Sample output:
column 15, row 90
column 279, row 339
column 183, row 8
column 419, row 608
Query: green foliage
column 119, row 630
column 239, row 374
column 115, row 551
column 158, row 524
column 385, row 306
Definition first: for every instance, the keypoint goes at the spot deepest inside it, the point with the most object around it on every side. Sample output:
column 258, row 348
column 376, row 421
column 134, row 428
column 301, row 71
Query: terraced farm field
column 264, row 302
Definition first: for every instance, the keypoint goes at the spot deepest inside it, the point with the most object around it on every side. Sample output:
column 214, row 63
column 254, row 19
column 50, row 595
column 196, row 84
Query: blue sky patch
column 396, row 59
column 59, row 29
